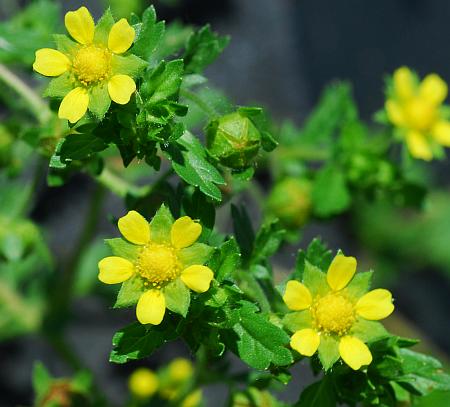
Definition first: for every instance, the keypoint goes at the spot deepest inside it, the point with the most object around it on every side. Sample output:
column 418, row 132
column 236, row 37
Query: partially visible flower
column 336, row 314
column 193, row 399
column 159, row 261
column 416, row 110
column 93, row 70
column 180, row 369
column 143, row 383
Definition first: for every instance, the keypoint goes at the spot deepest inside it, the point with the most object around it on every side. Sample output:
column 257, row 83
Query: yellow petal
column 403, row 83
column 418, row 145
column 114, row 270
column 134, row 227
column 121, row 36
column 395, row 113
column 375, row 305
column 354, row 352
column 80, row 25
column 433, row 89
column 341, row 271
column 74, row 105
column 305, row 341
column 297, row 296
column 151, row 307
column 143, row 382
column 50, row 62
column 441, row 133
column 120, row 88
column 185, row 232
column 197, row 278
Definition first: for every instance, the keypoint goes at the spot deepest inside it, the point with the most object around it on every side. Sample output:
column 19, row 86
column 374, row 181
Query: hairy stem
column 34, row 102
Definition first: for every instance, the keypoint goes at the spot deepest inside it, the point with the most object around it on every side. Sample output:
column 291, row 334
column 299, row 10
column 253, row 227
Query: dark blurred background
column 282, row 54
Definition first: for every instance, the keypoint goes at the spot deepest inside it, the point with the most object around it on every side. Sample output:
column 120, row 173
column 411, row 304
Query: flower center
column 158, row 264
column 333, row 314
column 91, row 64
column 420, row 114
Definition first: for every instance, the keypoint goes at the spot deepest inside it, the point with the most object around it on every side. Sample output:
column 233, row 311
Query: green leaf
column 328, row 351
column 103, row 27
column 163, row 82
column 130, row 292
column 99, row 101
column 137, row 341
column 80, row 146
column 198, row 253
column 359, row 285
column 149, row 34
column 42, row 380
column 120, row 247
column 243, row 230
column 335, row 108
column 202, row 48
column 130, row 65
column 316, row 254
column 161, row 225
column 178, row 297
column 188, row 158
column 260, row 343
column 368, row 330
column 330, row 194
column 315, row 280
column 226, row 260
column 60, row 86
column 422, row 374
column 267, row 241
column 294, row 321
column 319, row 394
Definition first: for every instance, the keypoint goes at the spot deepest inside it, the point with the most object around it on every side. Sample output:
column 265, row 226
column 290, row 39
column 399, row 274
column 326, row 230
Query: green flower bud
column 234, row 140
column 290, row 201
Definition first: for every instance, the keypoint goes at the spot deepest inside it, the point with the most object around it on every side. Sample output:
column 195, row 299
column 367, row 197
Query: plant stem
column 34, row 102
column 209, row 111
column 122, row 187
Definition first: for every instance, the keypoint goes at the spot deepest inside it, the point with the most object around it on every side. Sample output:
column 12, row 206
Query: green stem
column 305, row 153
column 34, row 102
column 122, row 187
column 208, row 110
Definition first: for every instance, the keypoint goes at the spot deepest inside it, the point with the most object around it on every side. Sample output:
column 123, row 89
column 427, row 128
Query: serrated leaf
column 260, row 342
column 188, row 159
column 149, row 33
column 267, row 241
column 319, row 394
column 178, row 297
column 80, row 146
column 226, row 260
column 163, row 82
column 130, row 292
column 422, row 374
column 328, row 351
column 330, row 194
column 202, row 48
column 120, row 247
column 137, row 341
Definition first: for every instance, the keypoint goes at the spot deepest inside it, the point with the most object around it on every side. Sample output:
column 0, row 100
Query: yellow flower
column 335, row 313
column 180, row 370
column 143, row 383
column 160, row 262
column 193, row 399
column 416, row 110
column 93, row 70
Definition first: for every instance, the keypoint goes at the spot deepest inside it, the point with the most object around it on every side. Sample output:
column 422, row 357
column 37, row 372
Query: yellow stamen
column 333, row 313
column 158, row 264
column 92, row 64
